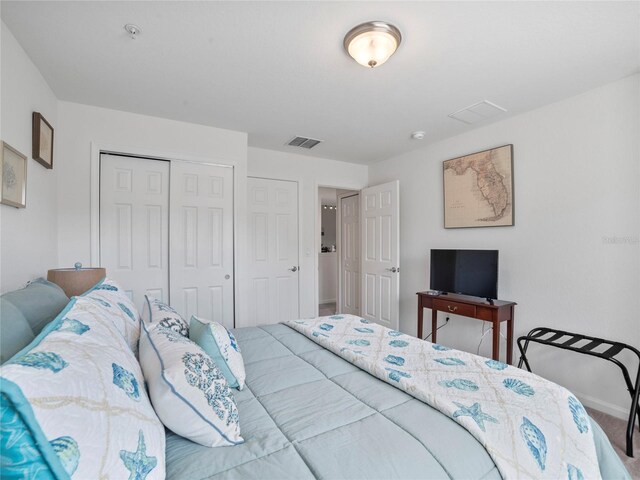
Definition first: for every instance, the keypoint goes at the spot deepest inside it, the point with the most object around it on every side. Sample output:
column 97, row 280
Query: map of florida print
column 478, row 189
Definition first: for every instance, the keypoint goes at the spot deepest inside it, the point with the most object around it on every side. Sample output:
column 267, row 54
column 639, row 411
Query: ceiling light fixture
column 372, row 43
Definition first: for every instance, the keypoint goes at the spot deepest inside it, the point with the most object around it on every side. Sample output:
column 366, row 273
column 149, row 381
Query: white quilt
column 531, row 427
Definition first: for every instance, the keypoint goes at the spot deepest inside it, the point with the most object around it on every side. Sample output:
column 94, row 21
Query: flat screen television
column 468, row 272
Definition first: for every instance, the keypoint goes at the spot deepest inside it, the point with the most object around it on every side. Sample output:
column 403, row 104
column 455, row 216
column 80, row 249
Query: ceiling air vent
column 477, row 112
column 304, row 142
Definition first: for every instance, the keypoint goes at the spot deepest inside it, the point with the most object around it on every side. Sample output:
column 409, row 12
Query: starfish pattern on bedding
column 138, row 462
column 475, row 412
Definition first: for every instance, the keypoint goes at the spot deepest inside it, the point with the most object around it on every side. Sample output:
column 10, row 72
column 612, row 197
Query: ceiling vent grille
column 304, row 142
column 477, row 112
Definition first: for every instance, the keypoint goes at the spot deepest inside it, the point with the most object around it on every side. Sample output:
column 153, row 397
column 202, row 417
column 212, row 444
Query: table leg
column 420, row 317
column 510, row 339
column 434, row 324
column 496, row 340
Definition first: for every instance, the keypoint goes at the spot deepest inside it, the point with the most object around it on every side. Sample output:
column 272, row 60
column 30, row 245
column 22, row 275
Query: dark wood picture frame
column 42, row 135
column 13, row 177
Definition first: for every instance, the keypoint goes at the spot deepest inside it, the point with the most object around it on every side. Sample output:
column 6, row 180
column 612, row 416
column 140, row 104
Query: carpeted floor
column 616, row 430
column 327, row 309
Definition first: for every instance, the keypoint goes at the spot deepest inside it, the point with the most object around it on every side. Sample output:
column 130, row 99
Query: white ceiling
column 278, row 69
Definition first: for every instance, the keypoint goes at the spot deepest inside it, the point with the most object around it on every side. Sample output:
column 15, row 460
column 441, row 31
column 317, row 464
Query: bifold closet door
column 201, row 241
column 134, row 219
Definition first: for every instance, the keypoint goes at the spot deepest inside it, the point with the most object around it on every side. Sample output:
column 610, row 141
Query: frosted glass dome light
column 372, row 43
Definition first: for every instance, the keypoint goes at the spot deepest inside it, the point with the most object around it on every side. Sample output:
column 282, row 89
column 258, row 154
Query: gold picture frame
column 13, row 177
column 42, row 141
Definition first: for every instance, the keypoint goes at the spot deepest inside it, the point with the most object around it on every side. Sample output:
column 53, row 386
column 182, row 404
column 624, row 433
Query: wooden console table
column 474, row 307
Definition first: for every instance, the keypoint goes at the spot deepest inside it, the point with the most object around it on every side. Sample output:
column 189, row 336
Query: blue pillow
column 40, row 302
column 222, row 347
column 15, row 332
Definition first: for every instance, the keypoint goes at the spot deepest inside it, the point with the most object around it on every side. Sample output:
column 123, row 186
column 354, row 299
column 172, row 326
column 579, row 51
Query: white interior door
column 201, row 241
column 134, row 224
column 349, row 251
column 380, row 213
column 273, row 250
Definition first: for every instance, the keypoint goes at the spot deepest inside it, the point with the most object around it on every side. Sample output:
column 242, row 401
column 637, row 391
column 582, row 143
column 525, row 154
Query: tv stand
column 487, row 310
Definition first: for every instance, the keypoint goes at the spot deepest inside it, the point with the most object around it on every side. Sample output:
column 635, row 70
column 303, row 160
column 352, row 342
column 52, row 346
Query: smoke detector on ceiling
column 134, row 31
column 304, row 142
column 477, row 112
column 419, row 135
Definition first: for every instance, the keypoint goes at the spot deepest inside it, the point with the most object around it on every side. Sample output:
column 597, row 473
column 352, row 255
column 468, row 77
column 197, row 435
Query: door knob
column 393, row 269
column 227, row 277
column 294, row 269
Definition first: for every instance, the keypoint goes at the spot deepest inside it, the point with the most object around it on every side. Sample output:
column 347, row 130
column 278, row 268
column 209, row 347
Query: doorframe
column 238, row 209
column 300, row 218
column 317, row 225
column 341, row 197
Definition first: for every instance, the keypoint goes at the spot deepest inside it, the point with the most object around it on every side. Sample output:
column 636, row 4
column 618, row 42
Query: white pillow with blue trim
column 155, row 312
column 73, row 403
column 187, row 389
column 223, row 348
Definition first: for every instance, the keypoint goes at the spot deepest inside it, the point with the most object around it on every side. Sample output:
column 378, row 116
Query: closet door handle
column 294, row 269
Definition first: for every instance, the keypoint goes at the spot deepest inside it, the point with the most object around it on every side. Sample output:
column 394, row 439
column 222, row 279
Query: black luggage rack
column 556, row 339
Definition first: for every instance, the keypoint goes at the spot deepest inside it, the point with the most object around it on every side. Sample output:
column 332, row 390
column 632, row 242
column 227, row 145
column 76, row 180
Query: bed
column 305, row 412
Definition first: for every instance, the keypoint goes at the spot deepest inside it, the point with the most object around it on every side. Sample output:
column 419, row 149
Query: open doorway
column 328, row 254
column 331, row 248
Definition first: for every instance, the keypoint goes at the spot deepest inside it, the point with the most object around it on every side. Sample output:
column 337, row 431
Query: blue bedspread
column 307, row 413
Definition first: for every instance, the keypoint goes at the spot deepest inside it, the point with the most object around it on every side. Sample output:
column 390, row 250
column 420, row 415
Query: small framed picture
column 13, row 177
column 42, row 141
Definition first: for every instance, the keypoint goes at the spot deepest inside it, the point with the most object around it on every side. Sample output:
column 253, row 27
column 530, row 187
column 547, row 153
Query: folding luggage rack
column 557, row 338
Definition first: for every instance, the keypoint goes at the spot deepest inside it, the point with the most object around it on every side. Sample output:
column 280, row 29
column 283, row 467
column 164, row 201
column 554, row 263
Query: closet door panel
column 134, row 224
column 201, row 241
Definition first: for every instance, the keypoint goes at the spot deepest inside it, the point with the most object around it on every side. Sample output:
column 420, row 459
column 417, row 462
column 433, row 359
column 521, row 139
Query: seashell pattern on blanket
column 535, row 441
column 42, row 360
column 519, row 387
column 506, row 409
column 73, row 326
column 68, row 452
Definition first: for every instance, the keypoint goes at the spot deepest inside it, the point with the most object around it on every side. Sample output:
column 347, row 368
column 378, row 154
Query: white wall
column 28, row 236
column 310, row 173
column 84, row 127
column 577, row 174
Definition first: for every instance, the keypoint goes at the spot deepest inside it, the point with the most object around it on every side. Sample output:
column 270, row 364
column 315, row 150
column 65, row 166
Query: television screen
column 468, row 272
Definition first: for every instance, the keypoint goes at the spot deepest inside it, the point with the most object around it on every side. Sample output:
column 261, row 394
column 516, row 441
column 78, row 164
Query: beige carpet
column 327, row 309
column 616, row 430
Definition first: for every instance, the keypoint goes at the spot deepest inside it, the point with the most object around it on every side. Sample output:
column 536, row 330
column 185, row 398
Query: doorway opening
column 333, row 244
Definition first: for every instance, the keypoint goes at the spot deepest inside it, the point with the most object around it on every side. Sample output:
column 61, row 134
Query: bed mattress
column 307, row 413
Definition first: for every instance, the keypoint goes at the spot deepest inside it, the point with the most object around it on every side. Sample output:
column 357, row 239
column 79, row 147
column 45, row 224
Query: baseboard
column 605, row 407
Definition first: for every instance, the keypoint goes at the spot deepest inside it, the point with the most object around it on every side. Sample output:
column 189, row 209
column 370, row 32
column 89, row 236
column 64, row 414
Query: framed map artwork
column 478, row 189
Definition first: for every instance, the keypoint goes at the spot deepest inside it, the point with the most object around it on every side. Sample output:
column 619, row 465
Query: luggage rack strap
column 553, row 338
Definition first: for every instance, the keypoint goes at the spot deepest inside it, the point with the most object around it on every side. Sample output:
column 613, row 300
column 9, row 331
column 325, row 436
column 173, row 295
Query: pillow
column 40, row 302
column 155, row 313
column 15, row 332
column 76, row 398
column 221, row 345
column 123, row 313
column 188, row 391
